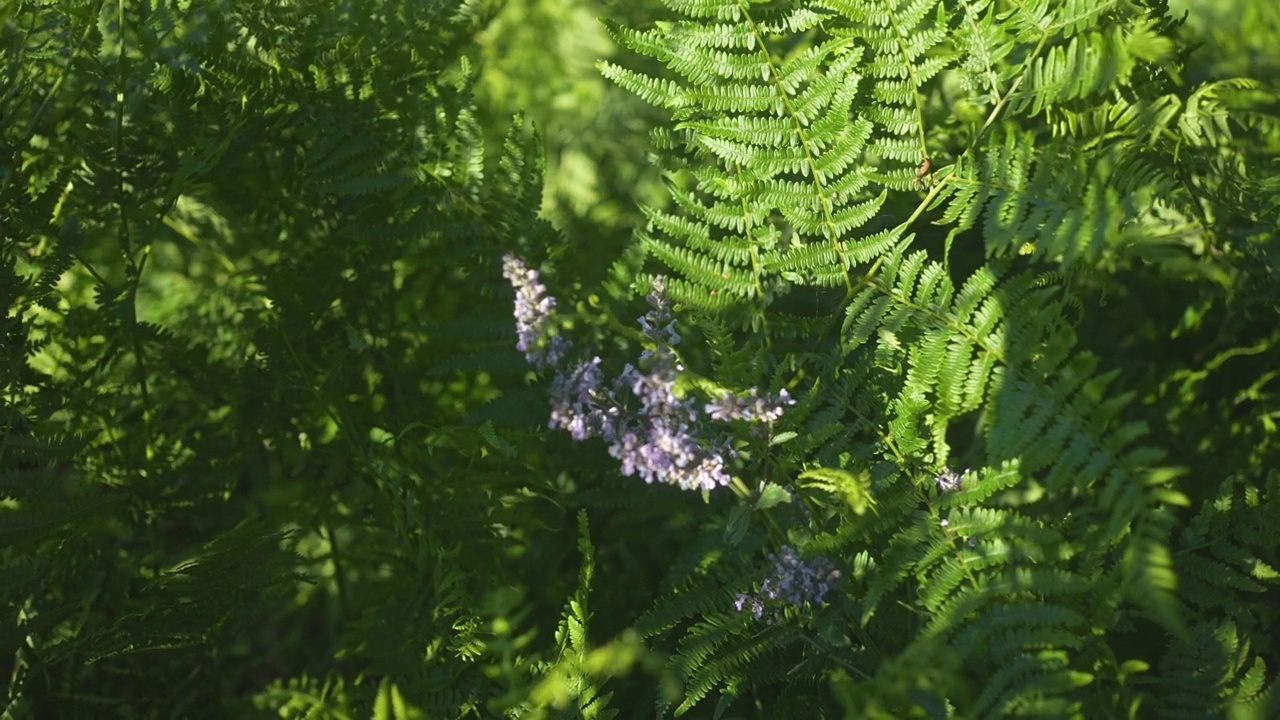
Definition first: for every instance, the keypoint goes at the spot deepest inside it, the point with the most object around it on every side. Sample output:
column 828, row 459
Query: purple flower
column 533, row 316
column 793, row 582
column 757, row 605
column 657, row 324
column 656, row 390
column 662, row 442
column 796, row 581
column 581, row 404
column 653, row 431
column 750, row 406
column 949, row 480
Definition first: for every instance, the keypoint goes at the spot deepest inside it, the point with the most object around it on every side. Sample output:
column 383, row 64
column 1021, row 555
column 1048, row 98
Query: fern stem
column 831, row 653
column 810, row 156
column 756, row 273
column 899, row 34
column 928, row 199
column 995, row 111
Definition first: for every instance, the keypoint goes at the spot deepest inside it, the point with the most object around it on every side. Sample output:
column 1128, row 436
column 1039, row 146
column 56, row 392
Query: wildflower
column 581, row 404
column 949, row 480
column 533, row 310
column 792, row 582
column 757, row 605
column 658, row 324
column 750, row 406
column 656, row 389
column 665, row 439
column 662, row 442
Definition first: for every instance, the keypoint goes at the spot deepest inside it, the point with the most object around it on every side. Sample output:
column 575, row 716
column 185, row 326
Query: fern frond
column 777, row 161
column 906, row 51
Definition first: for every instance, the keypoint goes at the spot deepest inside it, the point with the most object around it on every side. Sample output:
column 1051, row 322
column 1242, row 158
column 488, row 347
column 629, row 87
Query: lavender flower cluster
column 793, row 581
column 533, row 316
column 665, row 439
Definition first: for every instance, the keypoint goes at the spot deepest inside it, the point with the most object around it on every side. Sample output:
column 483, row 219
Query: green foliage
column 266, row 445
column 249, row 344
column 537, row 57
column 1069, row 160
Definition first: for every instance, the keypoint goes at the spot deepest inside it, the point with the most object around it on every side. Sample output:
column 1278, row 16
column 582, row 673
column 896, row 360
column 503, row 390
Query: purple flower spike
column 657, row 323
column 666, row 438
column 533, row 316
column 662, row 442
column 792, row 582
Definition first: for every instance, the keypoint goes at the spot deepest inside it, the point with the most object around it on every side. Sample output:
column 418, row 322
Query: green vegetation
column 974, row 360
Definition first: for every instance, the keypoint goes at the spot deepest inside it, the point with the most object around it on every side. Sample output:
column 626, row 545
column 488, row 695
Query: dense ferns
column 955, row 395
column 906, row 211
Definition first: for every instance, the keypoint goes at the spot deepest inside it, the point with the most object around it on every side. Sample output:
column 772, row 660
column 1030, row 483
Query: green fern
column 761, row 132
column 1013, row 260
column 779, row 181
